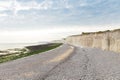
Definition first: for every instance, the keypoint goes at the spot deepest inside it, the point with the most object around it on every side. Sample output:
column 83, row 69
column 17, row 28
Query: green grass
column 10, row 57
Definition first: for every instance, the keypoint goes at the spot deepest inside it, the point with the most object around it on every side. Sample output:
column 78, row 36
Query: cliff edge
column 106, row 40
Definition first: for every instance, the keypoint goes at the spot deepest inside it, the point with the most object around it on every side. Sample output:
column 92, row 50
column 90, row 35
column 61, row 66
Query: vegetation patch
column 33, row 50
column 99, row 32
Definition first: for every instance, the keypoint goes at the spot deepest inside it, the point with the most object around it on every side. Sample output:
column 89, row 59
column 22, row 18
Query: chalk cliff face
column 106, row 40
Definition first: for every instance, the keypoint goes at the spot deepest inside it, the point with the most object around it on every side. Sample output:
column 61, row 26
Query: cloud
column 3, row 14
column 59, row 12
column 38, row 14
column 17, row 5
column 5, row 5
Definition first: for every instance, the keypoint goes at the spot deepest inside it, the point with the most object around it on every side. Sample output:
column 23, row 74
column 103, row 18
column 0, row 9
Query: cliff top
column 99, row 32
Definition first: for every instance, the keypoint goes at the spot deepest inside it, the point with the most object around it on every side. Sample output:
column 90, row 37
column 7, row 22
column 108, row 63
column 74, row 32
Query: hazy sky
column 45, row 20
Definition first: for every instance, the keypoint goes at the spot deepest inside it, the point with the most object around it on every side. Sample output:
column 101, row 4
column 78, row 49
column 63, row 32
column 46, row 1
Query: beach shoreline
column 13, row 48
column 12, row 54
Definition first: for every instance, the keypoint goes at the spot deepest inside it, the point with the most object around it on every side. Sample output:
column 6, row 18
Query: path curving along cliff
column 105, row 40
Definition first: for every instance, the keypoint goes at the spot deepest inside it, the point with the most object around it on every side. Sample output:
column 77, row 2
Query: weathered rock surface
column 106, row 40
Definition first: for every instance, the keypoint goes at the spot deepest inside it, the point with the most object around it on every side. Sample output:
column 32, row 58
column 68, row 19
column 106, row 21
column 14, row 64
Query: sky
column 46, row 20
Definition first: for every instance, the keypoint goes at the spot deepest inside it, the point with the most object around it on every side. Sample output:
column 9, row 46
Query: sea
column 5, row 46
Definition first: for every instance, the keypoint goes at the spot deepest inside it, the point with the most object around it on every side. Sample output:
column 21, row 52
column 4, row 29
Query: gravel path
column 60, row 64
column 88, row 64
column 34, row 67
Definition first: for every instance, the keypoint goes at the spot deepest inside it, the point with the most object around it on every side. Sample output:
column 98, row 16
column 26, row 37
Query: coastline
column 5, row 46
column 16, row 48
column 12, row 54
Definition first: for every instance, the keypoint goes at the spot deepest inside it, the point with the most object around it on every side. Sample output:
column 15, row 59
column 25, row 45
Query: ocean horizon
column 5, row 46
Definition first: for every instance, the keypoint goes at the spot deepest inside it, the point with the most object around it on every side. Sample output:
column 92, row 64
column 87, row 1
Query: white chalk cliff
column 106, row 40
